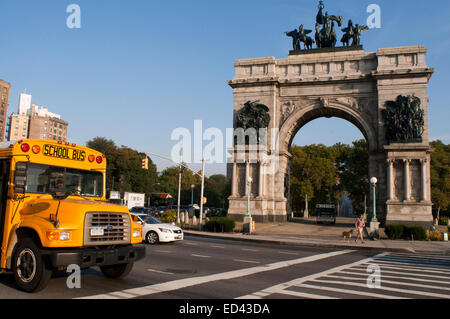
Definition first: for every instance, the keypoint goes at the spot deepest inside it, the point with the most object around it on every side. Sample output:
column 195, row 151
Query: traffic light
column 145, row 163
column 204, row 200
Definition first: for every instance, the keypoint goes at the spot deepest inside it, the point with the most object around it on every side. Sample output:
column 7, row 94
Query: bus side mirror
column 20, row 178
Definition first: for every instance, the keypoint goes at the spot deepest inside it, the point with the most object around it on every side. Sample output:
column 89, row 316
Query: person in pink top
column 359, row 225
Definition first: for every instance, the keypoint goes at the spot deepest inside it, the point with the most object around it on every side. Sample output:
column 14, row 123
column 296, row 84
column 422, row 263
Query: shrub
column 434, row 236
column 405, row 232
column 170, row 216
column 415, row 233
column 222, row 224
column 394, row 231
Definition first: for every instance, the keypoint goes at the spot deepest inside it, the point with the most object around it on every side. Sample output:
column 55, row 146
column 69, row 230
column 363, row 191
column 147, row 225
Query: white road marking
column 411, row 267
column 160, row 271
column 404, row 291
column 306, row 295
column 193, row 281
column 281, row 287
column 351, row 292
column 391, row 282
column 247, row 261
column 163, row 251
column 249, row 249
column 217, row 246
column 200, row 256
column 287, row 253
column 412, row 264
column 383, row 274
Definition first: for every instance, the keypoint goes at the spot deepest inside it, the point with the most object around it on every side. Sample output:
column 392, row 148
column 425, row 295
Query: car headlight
column 165, row 230
column 137, row 233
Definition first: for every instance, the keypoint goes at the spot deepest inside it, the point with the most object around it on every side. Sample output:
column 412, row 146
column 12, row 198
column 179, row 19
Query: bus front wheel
column 31, row 273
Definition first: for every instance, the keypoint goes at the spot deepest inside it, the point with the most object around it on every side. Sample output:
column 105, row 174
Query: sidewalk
column 306, row 233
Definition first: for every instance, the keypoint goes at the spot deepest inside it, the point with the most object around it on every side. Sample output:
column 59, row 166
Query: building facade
column 36, row 122
column 4, row 103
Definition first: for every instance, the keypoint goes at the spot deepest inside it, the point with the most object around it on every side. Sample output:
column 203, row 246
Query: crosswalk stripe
column 412, row 267
column 405, row 291
column 193, row 281
column 415, row 272
column 352, row 292
column 280, row 287
column 306, row 295
column 412, row 263
column 391, row 282
column 387, row 276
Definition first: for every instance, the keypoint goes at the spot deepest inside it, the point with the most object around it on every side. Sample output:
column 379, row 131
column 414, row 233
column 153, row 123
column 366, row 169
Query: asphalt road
column 205, row 268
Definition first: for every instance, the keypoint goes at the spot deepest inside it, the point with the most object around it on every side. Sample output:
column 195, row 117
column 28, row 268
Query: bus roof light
column 36, row 149
column 99, row 159
column 25, row 147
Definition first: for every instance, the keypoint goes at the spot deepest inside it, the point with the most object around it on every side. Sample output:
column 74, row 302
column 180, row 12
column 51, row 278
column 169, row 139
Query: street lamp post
column 374, row 181
column 248, row 220
column 374, row 224
column 192, row 194
column 249, row 183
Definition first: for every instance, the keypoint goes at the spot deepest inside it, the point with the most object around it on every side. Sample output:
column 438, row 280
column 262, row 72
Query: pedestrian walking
column 359, row 225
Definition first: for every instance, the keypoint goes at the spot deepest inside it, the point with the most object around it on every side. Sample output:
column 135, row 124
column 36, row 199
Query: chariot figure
column 348, row 34
column 357, row 30
column 295, row 39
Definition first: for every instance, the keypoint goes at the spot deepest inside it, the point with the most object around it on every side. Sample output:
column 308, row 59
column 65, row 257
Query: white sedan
column 154, row 231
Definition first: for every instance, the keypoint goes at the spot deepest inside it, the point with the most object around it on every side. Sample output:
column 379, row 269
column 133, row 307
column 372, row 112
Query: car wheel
column 152, row 238
column 31, row 273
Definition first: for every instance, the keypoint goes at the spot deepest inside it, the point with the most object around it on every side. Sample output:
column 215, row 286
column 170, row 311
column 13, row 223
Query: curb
column 295, row 243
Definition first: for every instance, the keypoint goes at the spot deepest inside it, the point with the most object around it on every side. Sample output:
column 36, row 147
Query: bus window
column 42, row 178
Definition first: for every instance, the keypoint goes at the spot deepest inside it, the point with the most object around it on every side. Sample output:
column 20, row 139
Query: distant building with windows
column 4, row 103
column 36, row 122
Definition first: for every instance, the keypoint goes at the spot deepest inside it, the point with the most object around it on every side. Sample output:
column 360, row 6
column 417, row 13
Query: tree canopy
column 325, row 174
column 124, row 171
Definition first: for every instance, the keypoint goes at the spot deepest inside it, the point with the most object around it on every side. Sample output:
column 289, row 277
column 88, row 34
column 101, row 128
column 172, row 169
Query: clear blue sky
column 140, row 68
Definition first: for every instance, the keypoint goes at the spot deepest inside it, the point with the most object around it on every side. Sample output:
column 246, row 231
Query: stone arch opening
column 337, row 192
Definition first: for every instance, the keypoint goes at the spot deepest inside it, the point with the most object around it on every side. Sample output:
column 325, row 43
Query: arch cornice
column 344, row 108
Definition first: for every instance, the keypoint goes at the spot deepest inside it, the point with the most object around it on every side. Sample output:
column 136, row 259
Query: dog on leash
column 347, row 235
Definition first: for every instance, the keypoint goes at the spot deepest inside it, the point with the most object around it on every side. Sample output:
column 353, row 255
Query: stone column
column 261, row 179
column 423, row 163
column 390, row 179
column 247, row 174
column 407, row 186
column 235, row 179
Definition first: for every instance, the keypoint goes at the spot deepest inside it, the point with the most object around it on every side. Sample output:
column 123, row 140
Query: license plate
column 97, row 231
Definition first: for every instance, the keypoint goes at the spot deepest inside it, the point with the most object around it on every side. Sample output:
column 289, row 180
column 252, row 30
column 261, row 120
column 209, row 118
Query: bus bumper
column 95, row 257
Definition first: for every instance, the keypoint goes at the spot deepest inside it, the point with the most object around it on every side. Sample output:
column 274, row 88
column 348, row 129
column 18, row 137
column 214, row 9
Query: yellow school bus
column 54, row 213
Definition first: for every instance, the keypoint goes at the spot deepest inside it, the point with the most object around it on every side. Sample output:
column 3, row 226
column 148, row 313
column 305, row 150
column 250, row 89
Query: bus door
column 4, row 179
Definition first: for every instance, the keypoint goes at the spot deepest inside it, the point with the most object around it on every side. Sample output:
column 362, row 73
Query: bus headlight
column 64, row 236
column 137, row 233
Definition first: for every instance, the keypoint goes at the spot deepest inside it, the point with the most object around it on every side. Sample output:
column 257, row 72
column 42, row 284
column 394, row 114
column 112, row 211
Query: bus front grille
column 106, row 228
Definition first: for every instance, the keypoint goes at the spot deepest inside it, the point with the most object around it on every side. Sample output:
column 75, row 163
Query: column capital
column 423, row 160
column 390, row 161
column 407, row 160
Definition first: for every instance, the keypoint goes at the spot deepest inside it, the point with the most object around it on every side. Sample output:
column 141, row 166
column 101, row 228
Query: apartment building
column 36, row 122
column 4, row 103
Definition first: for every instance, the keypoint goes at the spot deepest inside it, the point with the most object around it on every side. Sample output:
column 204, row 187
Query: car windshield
column 42, row 178
column 151, row 220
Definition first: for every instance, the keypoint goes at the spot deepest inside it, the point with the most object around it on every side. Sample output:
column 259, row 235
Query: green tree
column 125, row 162
column 440, row 177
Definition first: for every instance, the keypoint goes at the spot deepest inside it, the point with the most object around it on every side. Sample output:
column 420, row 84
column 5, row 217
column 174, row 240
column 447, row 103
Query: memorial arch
column 364, row 88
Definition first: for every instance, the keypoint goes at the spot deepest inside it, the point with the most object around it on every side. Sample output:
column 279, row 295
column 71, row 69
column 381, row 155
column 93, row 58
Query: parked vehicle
column 154, row 231
column 326, row 214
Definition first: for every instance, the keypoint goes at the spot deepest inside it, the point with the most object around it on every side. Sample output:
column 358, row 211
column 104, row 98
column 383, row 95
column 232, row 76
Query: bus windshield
column 42, row 178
